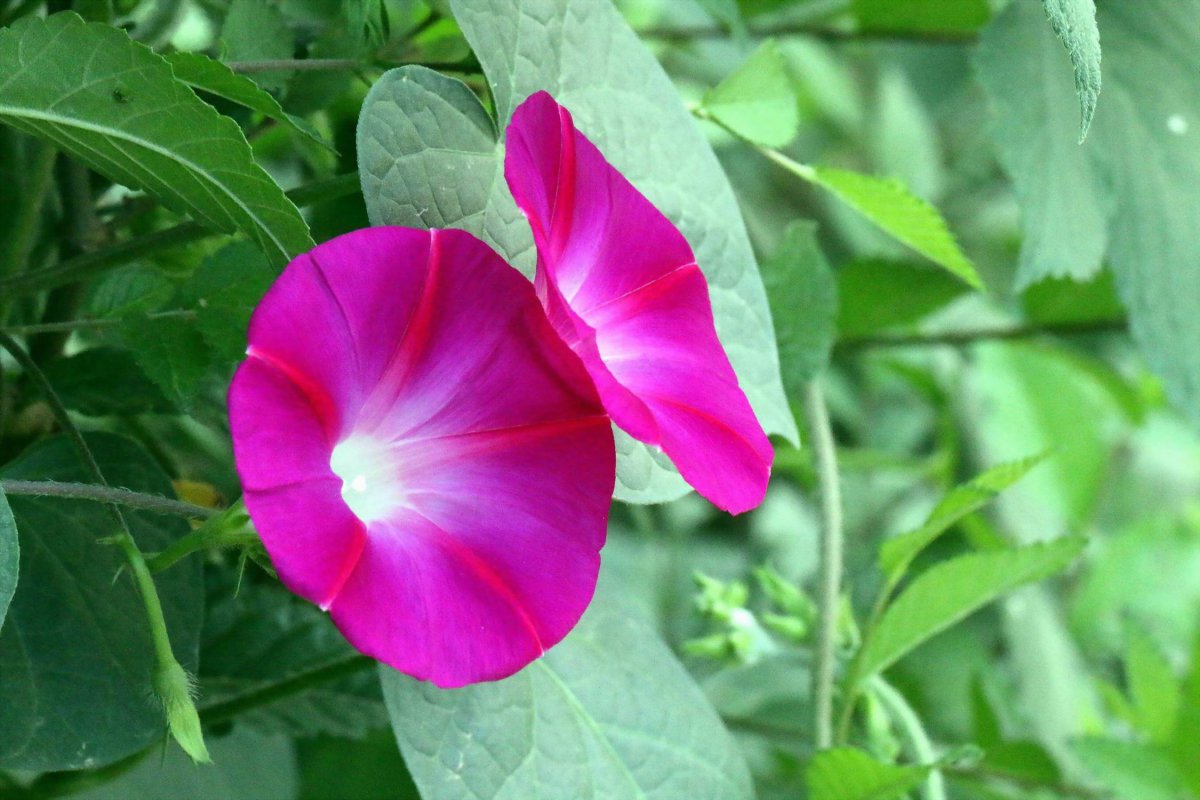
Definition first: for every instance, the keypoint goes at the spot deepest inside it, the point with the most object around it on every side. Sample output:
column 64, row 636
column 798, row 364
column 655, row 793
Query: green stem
column 300, row 682
column 198, row 541
column 822, row 32
column 967, row 337
column 88, row 264
column 25, row 224
column 106, row 494
column 829, row 593
column 919, row 745
column 333, row 65
column 71, row 325
column 149, row 593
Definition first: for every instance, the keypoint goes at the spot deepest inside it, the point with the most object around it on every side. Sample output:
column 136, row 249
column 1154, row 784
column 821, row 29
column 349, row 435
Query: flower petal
column 421, row 454
column 621, row 286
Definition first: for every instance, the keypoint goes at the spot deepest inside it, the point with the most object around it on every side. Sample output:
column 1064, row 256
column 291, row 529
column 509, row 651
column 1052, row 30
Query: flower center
column 370, row 476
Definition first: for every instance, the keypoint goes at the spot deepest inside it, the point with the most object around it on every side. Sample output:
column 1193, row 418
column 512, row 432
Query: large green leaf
column 608, row 714
column 803, row 295
column 428, row 156
column 1131, row 770
column 1143, row 153
column 1063, row 207
column 1075, row 23
column 75, row 651
column 949, row 591
column 757, row 100
column 876, row 295
column 103, row 381
column 9, row 557
column 848, row 774
column 115, row 105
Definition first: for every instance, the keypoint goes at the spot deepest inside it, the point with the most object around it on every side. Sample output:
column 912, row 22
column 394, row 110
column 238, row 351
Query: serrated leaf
column 1143, row 160
column 1131, row 771
column 608, row 713
column 1153, row 687
column 209, row 75
column 104, row 381
column 255, row 30
column 951, row 590
column 75, row 651
column 845, row 773
column 10, row 555
column 903, row 215
column 223, row 291
column 876, row 295
column 134, row 289
column 898, row 552
column 1075, row 23
column 1063, row 212
column 116, row 106
column 803, row 296
column 428, row 157
column 757, row 100
column 172, row 352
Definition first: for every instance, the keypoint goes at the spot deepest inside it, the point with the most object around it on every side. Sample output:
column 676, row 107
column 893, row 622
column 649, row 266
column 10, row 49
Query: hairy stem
column 106, row 494
column 919, row 745
column 829, row 593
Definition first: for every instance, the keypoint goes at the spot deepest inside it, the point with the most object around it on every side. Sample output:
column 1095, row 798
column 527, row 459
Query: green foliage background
column 965, row 230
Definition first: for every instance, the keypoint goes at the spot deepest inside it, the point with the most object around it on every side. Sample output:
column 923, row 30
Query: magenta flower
column 621, row 286
column 422, row 456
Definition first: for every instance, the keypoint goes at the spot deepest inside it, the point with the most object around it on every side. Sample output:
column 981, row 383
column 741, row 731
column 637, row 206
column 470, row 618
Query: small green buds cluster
column 742, row 636
column 174, row 688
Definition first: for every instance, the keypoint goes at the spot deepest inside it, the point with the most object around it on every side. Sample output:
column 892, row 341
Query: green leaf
column 428, row 157
column 951, row 590
column 845, row 773
column 1055, row 301
column 10, row 557
column 1131, row 771
column 1153, row 687
column 256, row 637
column 876, row 295
column 1063, row 207
column 172, row 352
column 255, row 30
column 1075, row 23
column 116, row 106
column 898, row 552
column 1185, row 741
column 608, row 713
column 803, row 296
column 224, row 291
column 908, row 218
column 209, row 75
column 931, row 16
column 75, row 652
column 757, row 100
column 1143, row 155
column 371, row 769
column 133, row 289
column 105, row 381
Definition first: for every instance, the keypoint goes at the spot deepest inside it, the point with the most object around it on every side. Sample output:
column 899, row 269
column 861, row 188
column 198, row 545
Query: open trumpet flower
column 421, row 454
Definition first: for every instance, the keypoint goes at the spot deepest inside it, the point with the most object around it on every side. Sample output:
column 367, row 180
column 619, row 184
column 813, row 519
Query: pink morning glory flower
column 421, row 454
column 621, row 286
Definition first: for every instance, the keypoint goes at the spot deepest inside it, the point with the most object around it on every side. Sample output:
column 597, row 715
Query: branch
column 342, row 65
column 967, row 337
column 822, row 32
column 106, row 494
column 825, row 461
column 274, row 692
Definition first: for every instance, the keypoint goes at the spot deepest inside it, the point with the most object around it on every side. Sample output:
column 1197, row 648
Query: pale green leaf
column 1153, row 687
column 209, row 75
column 75, row 651
column 608, row 714
column 1063, row 208
column 255, row 30
column 951, row 590
column 908, row 218
column 757, row 101
column 10, row 557
column 845, row 773
column 898, row 552
column 116, row 106
column 428, row 157
column 1075, row 23
column 803, row 295
column 1130, row 770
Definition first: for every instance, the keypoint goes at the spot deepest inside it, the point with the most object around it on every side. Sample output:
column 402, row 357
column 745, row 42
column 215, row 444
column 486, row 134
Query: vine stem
column 106, row 494
column 70, row 325
column 919, row 744
column 829, row 593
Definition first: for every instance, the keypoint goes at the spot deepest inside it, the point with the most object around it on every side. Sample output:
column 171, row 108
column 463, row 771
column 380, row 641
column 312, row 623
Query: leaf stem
column 823, row 32
column 106, row 494
column 967, row 337
column 88, row 264
column 272, row 693
column 919, row 745
column 829, row 593
column 334, row 65
column 103, row 322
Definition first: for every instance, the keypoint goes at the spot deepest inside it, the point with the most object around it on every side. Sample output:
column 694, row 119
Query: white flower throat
column 370, row 475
